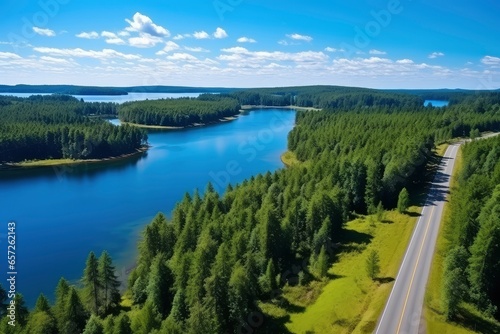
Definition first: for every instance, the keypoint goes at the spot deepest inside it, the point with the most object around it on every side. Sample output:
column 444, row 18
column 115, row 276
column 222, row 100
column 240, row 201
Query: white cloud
column 124, row 33
column 435, row 55
column 299, row 37
column 404, row 61
column 9, row 55
column 377, row 52
column 44, row 32
column 246, row 40
column 330, row 49
column 195, row 49
column 54, row 60
column 88, row 35
column 489, row 60
column 220, row 33
column 169, row 46
column 108, row 34
column 143, row 24
column 80, row 53
column 144, row 41
column 201, row 35
column 182, row 56
column 178, row 37
column 112, row 38
column 240, row 54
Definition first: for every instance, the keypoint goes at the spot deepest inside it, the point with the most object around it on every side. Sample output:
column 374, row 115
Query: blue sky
column 252, row 43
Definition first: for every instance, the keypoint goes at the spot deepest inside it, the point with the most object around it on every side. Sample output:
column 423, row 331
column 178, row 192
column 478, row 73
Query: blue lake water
column 64, row 213
column 119, row 98
column 436, row 103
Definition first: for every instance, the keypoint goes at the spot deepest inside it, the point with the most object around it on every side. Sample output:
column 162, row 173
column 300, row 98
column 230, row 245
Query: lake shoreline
column 68, row 162
column 194, row 125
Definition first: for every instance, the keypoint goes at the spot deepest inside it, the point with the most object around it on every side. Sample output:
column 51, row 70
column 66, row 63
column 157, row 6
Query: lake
column 64, row 213
column 118, row 98
column 436, row 103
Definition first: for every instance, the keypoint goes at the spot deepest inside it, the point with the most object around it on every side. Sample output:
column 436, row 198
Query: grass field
column 470, row 320
column 349, row 301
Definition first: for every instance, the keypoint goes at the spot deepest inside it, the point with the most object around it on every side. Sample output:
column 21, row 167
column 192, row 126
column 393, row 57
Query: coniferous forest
column 58, row 127
column 206, row 266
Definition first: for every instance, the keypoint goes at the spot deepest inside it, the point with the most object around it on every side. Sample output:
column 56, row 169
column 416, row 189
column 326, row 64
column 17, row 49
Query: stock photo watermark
column 48, row 10
column 248, row 150
column 11, row 272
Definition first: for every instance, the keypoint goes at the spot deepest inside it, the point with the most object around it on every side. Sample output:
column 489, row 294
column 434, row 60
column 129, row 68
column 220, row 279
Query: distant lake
column 436, row 103
column 118, row 98
column 64, row 213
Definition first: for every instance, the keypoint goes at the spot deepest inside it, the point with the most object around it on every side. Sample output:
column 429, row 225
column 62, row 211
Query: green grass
column 289, row 159
column 349, row 302
column 469, row 319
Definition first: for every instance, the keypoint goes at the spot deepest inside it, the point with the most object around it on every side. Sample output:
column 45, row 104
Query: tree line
column 209, row 265
column 472, row 266
column 56, row 127
column 205, row 109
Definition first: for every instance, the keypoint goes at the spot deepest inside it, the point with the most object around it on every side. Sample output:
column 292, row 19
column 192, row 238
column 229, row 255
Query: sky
column 251, row 43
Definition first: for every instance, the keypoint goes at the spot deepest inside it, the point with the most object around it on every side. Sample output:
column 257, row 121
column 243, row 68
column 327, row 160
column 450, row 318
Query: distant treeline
column 55, row 127
column 472, row 266
column 207, row 108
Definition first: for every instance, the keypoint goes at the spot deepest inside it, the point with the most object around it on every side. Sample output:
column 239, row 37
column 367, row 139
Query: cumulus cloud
column 299, row 37
column 220, row 33
column 182, row 56
column 9, row 55
column 246, row 40
column 88, row 35
column 143, row 24
column 240, row 54
column 489, row 60
column 169, row 46
column 404, row 61
column 80, row 53
column 195, row 49
column 201, row 35
column 44, row 32
column 330, row 49
column 112, row 38
column 377, row 52
column 435, row 55
column 144, row 41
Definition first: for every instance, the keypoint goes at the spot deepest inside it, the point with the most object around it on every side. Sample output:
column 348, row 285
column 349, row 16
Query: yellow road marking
column 415, row 270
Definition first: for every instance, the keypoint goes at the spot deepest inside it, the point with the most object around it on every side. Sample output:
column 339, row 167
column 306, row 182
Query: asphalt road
column 403, row 310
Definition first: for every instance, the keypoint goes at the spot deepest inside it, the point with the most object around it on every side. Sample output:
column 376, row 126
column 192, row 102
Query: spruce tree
column 108, row 282
column 92, row 284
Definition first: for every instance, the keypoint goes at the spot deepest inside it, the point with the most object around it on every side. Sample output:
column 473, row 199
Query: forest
column 207, row 108
column 57, row 127
column 472, row 266
column 207, row 267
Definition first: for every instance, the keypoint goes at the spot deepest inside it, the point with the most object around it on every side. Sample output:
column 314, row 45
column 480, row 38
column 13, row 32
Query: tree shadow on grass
column 384, row 280
column 290, row 307
column 476, row 323
column 273, row 325
column 355, row 237
column 387, row 221
column 413, row 214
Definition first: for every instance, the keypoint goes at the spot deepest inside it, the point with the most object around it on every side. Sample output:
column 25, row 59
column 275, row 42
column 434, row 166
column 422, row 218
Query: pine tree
column 3, row 299
column 373, row 264
column 180, row 308
column 403, row 200
column 159, row 285
column 93, row 326
column 62, row 294
column 122, row 325
column 74, row 316
column 42, row 304
column 108, row 282
column 92, row 284
column 322, row 263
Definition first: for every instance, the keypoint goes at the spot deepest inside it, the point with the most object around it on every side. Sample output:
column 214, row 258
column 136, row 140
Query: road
column 402, row 313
